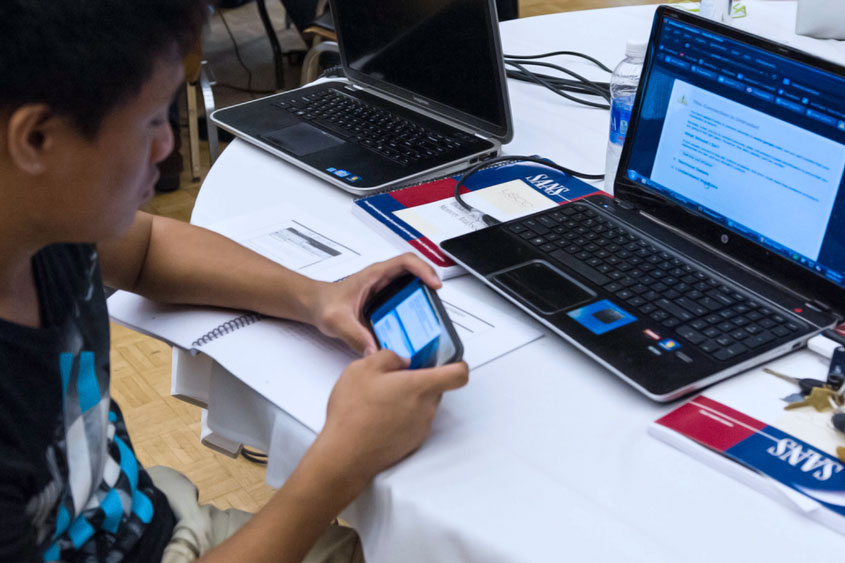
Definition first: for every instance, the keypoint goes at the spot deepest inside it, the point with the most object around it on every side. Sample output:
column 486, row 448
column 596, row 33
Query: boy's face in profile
column 96, row 185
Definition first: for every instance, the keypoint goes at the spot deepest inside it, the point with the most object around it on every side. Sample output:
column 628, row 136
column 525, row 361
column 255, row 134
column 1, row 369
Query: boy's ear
column 29, row 135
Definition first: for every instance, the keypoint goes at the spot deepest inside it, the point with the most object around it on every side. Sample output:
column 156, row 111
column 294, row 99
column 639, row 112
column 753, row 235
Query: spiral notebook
column 259, row 350
column 293, row 365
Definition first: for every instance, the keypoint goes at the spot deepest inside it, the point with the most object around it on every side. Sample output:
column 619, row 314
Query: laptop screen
column 445, row 51
column 750, row 138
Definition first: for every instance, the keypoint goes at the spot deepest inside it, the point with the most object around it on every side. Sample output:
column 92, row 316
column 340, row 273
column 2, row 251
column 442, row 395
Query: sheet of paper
column 297, row 240
column 486, row 332
column 440, row 220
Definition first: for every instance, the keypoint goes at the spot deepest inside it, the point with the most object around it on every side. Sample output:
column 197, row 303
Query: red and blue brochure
column 419, row 217
column 793, row 452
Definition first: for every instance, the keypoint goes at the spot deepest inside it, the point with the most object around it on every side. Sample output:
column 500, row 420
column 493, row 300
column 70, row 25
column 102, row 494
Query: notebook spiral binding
column 227, row 327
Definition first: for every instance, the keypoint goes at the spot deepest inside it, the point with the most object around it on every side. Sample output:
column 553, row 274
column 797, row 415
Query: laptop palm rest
column 542, row 287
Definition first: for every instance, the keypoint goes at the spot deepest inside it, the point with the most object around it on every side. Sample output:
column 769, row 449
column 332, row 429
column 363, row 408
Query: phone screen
column 408, row 324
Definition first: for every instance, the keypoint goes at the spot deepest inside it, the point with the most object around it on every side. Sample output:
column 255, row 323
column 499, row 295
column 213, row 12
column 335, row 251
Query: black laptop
column 725, row 244
column 425, row 94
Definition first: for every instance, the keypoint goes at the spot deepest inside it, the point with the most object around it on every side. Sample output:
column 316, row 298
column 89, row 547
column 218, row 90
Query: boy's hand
column 379, row 412
column 339, row 306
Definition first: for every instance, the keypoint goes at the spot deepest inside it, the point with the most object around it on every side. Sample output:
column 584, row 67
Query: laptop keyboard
column 374, row 128
column 705, row 312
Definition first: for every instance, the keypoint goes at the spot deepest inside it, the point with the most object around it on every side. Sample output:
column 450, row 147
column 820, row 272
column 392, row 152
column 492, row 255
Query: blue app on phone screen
column 408, row 325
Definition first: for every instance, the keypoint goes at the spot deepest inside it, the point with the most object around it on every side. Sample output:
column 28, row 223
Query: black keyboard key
column 709, row 346
column 738, row 334
column 692, row 307
column 760, row 339
column 590, row 273
column 730, row 352
column 724, row 340
column 778, row 331
column 713, row 319
column 708, row 302
column 667, row 305
column 717, row 295
column 535, row 226
column 690, row 334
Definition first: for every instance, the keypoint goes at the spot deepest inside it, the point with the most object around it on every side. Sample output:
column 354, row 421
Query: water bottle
column 623, row 89
column 719, row 10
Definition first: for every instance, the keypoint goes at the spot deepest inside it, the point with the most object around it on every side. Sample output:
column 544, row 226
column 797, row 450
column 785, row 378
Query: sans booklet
column 742, row 428
column 420, row 217
column 725, row 244
column 424, row 94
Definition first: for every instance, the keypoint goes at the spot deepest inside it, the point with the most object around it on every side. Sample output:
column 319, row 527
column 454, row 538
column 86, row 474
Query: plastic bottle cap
column 635, row 49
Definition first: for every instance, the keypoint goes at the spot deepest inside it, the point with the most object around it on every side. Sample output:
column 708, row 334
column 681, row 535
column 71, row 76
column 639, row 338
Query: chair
column 197, row 80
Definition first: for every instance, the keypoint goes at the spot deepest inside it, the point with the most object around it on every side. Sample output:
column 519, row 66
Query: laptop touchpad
column 302, row 139
column 542, row 287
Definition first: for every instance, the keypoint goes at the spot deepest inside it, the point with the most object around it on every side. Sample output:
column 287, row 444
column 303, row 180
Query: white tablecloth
column 544, row 456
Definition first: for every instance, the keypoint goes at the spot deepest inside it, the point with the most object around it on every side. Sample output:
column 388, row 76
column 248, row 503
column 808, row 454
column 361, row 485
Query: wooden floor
column 164, row 430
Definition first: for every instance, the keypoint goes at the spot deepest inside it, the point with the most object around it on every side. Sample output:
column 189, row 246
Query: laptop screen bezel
column 501, row 132
column 753, row 255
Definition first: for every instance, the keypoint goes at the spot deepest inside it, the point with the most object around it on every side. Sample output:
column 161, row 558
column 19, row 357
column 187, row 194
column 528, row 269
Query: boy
column 83, row 121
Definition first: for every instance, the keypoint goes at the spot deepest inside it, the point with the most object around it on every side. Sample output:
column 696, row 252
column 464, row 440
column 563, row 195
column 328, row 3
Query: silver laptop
column 424, row 94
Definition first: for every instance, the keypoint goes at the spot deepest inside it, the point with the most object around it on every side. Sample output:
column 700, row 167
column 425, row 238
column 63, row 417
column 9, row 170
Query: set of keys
column 822, row 395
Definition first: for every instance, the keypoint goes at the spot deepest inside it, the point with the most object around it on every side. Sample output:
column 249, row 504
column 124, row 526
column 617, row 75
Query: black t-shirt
column 71, row 488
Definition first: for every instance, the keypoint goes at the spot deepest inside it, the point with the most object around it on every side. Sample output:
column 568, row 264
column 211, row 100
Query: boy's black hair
column 84, row 57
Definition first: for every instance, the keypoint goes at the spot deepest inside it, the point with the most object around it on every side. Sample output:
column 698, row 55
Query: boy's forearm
column 186, row 264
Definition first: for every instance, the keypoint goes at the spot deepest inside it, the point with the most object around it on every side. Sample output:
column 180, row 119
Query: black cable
column 242, row 89
column 603, row 92
column 254, row 456
column 569, row 84
column 336, row 70
column 561, row 86
column 489, row 220
column 596, row 62
column 532, row 77
column 237, row 54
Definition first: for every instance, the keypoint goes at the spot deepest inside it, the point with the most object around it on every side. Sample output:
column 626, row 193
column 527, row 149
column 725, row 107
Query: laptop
column 424, row 94
column 725, row 244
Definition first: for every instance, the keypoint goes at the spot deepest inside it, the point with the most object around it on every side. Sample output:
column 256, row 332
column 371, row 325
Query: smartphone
column 408, row 318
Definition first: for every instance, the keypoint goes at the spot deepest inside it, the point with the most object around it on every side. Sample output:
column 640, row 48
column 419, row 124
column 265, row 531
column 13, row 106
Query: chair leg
column 274, row 44
column 193, row 130
column 208, row 104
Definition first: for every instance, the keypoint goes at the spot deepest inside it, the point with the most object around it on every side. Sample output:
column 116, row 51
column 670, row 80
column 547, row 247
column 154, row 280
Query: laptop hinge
column 819, row 306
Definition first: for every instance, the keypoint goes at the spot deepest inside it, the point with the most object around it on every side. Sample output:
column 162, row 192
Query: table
column 544, row 456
